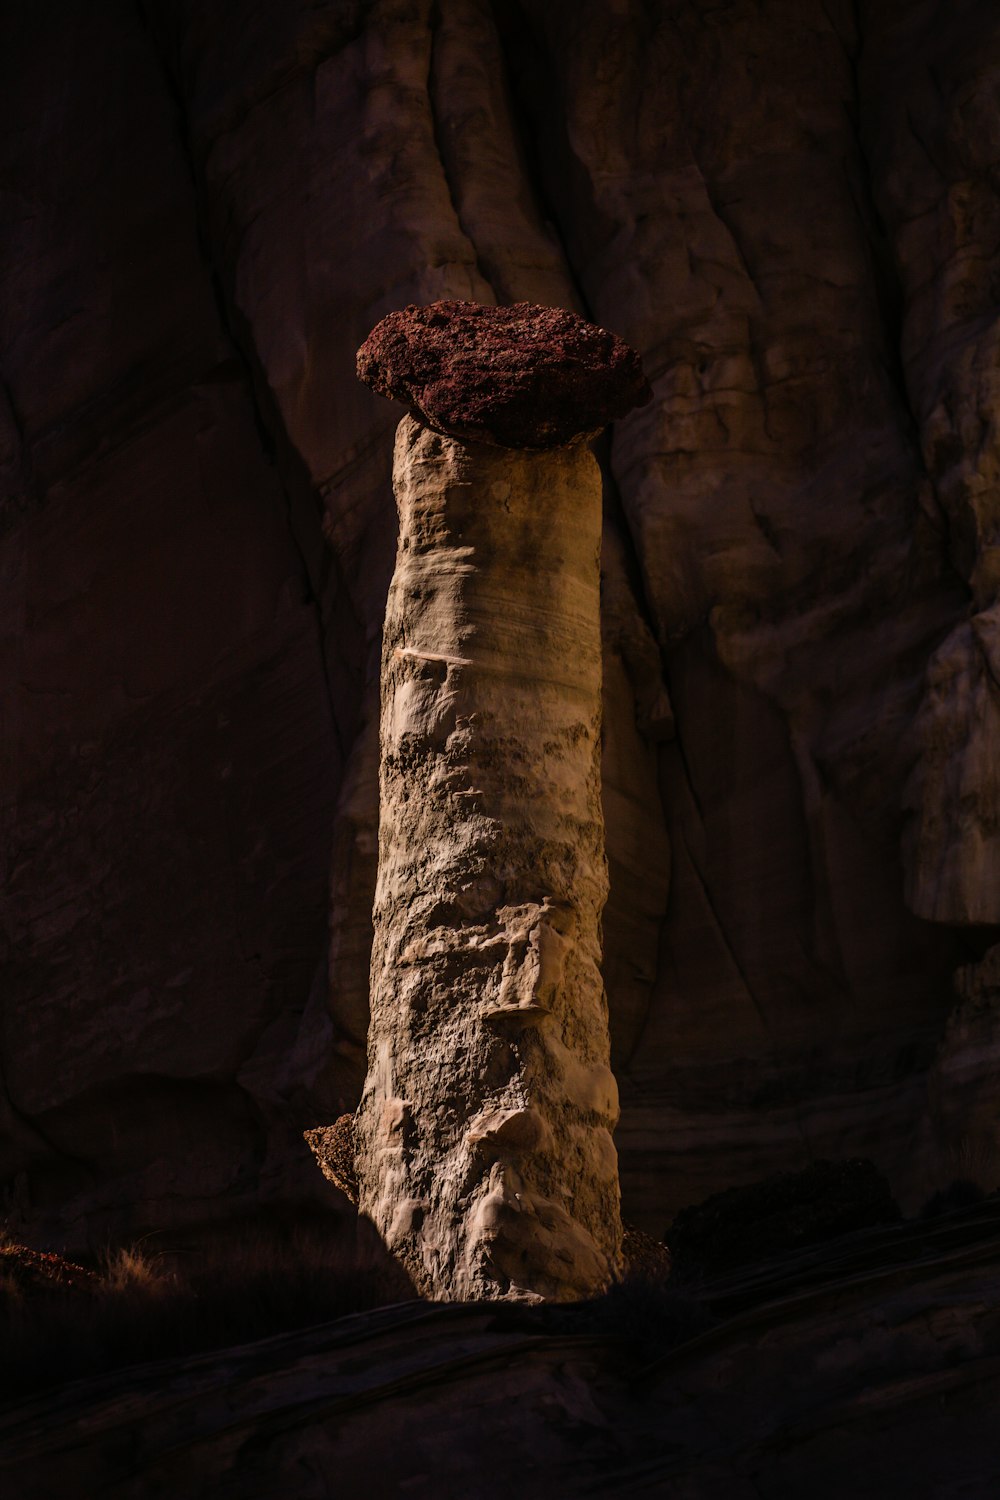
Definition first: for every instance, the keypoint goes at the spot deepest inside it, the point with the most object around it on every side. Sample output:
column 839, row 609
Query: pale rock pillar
column 484, row 1137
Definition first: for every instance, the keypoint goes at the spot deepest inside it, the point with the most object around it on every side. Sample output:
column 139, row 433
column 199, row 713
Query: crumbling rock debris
column 646, row 1258
column 27, row 1270
column 517, row 377
column 333, row 1148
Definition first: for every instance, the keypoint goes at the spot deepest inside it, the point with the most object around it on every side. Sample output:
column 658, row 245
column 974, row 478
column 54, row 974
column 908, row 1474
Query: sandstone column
column 484, row 1150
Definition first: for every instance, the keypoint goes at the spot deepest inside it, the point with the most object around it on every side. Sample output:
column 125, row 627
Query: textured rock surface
column 335, row 1149
column 168, row 756
column 522, row 376
column 790, row 210
column 961, row 1137
column 876, row 1376
column 484, row 1150
column 935, row 155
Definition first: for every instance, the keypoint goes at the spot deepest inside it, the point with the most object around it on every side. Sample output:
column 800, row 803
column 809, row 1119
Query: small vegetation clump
column 60, row 1321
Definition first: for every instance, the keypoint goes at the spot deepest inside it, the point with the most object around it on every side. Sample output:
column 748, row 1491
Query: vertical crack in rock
column 485, row 1157
column 441, row 142
column 527, row 138
column 636, row 653
column 624, row 566
column 886, row 278
column 932, row 132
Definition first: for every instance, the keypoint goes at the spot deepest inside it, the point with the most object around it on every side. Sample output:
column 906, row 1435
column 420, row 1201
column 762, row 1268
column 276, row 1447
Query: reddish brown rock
column 25, row 1270
column 517, row 377
column 334, row 1149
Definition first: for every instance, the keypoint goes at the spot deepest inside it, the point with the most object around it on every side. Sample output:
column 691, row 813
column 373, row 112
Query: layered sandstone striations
column 484, row 1149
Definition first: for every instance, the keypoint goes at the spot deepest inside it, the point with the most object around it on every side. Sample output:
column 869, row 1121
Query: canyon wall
column 791, row 209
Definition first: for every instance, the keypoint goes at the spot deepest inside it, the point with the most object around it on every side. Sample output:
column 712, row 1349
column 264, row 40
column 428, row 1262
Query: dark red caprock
column 516, row 377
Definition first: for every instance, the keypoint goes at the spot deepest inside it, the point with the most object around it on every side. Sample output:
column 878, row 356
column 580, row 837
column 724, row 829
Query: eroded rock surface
column 484, row 1149
column 521, row 376
column 877, row 1374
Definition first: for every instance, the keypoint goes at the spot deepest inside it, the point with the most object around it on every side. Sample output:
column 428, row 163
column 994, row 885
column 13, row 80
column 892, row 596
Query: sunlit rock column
column 484, row 1149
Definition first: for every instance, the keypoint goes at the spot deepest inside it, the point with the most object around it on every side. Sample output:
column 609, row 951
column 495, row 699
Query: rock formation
column 790, row 211
column 519, row 377
column 484, row 1150
column 869, row 1369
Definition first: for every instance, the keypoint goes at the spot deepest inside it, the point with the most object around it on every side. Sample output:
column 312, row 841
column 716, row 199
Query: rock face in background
column 791, row 211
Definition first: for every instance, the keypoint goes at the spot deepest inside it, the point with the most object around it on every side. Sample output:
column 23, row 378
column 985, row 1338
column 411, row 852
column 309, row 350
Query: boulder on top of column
column 522, row 376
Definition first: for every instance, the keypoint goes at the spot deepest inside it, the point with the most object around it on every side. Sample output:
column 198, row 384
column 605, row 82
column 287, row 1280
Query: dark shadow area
column 61, row 1320
column 782, row 1213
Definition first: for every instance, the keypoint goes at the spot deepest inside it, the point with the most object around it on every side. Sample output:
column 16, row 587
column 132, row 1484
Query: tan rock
column 485, row 1156
column 898, row 1338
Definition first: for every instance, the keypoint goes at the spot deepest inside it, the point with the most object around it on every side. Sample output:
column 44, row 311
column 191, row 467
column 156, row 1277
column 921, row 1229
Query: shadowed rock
column 779, row 1214
column 517, row 377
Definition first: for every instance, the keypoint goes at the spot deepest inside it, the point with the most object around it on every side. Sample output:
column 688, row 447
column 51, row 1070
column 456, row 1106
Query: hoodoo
column 484, row 1149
